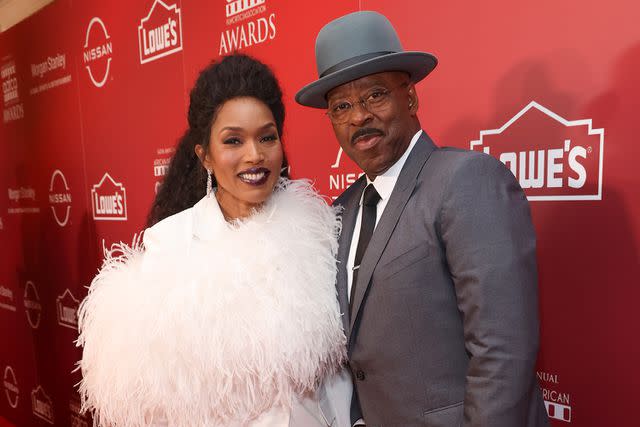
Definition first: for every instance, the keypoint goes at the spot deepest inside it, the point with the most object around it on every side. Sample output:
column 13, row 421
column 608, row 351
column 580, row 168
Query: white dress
column 212, row 324
column 329, row 406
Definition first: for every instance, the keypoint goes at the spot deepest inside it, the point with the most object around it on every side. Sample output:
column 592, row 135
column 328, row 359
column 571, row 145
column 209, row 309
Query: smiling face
column 245, row 155
column 376, row 140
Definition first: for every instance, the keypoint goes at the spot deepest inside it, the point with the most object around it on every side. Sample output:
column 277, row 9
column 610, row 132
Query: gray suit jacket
column 444, row 324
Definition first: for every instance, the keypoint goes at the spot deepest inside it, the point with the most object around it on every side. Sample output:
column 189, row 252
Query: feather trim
column 221, row 331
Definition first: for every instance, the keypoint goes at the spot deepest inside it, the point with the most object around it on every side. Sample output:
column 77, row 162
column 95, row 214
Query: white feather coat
column 209, row 324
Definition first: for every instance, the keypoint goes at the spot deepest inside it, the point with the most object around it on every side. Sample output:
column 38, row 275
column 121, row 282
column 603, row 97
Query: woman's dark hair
column 231, row 77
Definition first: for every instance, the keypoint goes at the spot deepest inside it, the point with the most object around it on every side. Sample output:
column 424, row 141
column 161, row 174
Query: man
column 437, row 272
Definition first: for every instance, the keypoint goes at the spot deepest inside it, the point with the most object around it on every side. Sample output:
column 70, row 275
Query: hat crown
column 356, row 35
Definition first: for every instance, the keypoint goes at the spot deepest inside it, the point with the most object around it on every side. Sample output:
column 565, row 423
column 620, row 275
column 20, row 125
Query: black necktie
column 369, row 202
column 367, row 225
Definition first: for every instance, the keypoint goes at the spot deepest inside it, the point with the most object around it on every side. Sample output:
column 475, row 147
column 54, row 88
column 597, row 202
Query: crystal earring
column 209, row 182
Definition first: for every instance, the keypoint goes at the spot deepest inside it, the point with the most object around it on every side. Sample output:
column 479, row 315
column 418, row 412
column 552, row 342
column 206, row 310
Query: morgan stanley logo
column 160, row 32
column 68, row 310
column 97, row 52
column 552, row 158
column 109, row 200
column 59, row 198
column 11, row 389
column 41, row 405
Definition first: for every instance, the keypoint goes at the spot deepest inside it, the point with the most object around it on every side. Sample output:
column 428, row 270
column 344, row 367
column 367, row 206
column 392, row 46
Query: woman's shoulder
column 170, row 231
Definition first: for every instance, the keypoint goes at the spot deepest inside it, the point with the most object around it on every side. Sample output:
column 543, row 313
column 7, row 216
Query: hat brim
column 417, row 64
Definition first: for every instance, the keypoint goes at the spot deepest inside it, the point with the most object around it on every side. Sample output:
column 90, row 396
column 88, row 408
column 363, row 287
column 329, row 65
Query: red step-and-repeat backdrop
column 94, row 100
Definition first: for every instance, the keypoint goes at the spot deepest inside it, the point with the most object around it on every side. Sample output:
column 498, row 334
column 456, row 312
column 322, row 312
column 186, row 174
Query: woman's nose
column 254, row 152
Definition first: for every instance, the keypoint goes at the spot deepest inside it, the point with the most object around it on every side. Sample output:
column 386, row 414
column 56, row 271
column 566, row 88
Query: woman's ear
column 202, row 155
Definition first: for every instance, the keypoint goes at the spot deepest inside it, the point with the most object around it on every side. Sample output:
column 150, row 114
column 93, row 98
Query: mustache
column 365, row 132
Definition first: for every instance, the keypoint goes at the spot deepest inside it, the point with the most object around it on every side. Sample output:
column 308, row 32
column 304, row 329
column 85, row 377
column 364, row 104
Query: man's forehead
column 384, row 78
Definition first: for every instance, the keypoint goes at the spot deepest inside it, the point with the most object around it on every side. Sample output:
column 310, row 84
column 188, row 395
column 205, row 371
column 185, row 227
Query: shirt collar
column 384, row 183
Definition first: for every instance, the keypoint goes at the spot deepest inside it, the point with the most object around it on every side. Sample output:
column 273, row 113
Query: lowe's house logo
column 109, row 200
column 42, row 405
column 160, row 32
column 67, row 306
column 553, row 158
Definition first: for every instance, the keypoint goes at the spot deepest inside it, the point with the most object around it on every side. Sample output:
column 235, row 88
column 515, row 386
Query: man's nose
column 360, row 114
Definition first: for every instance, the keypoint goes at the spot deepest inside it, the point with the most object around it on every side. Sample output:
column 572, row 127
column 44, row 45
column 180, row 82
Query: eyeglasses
column 376, row 101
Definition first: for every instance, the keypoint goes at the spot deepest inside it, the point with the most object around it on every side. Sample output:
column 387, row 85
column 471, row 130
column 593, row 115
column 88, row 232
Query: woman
column 227, row 314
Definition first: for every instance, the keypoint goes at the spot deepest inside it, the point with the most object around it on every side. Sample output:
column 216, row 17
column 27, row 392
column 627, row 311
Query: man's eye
column 377, row 94
column 343, row 106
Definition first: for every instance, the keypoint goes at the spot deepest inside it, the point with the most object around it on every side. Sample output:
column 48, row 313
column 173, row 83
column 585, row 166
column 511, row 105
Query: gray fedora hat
column 354, row 46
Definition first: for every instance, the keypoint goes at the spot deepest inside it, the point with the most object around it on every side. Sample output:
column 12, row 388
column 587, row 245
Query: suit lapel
column 399, row 196
column 349, row 216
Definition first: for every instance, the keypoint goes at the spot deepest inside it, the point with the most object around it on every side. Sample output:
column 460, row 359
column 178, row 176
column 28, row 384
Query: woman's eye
column 232, row 141
column 269, row 138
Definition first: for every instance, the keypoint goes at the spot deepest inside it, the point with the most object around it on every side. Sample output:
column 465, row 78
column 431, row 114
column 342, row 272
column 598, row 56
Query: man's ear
column 413, row 99
column 202, row 155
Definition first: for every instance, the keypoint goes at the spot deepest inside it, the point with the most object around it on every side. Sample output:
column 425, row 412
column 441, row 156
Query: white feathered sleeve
column 215, row 330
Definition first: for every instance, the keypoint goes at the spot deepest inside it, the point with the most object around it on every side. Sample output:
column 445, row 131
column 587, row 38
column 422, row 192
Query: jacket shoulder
column 169, row 232
column 458, row 160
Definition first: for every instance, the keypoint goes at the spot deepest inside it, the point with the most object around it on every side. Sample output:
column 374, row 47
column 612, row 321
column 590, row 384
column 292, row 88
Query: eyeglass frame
column 364, row 103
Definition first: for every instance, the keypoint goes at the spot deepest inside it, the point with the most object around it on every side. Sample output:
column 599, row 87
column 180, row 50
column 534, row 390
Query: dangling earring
column 209, row 182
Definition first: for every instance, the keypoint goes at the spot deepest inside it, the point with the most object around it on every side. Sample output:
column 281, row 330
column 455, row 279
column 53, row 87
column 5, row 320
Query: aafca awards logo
column 235, row 7
column 11, row 389
column 109, row 200
column 558, row 404
column 160, row 32
column 68, row 310
column 32, row 305
column 161, row 164
column 552, row 158
column 42, row 405
column 253, row 31
column 12, row 107
column 97, row 52
column 59, row 198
